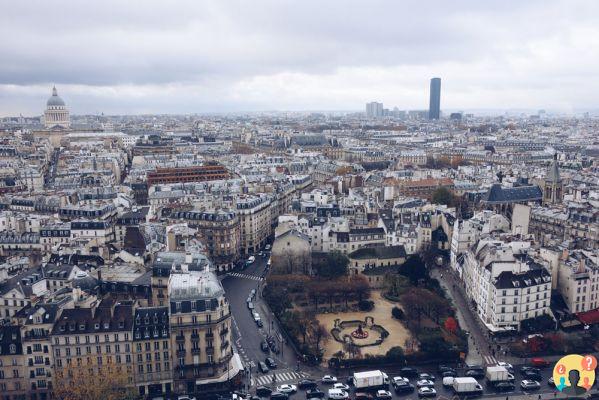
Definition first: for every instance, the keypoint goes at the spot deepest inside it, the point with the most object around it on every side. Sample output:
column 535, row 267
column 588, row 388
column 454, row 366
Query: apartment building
column 200, row 320
column 152, row 351
column 255, row 221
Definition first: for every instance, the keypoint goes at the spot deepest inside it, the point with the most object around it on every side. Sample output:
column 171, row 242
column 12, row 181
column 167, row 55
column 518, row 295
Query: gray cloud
column 183, row 56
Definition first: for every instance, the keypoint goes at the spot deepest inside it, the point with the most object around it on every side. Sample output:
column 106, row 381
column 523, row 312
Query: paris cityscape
column 333, row 200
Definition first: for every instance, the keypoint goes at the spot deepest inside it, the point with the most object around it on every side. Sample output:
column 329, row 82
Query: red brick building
column 210, row 172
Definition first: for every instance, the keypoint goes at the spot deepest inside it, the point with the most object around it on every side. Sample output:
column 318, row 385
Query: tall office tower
column 374, row 109
column 434, row 109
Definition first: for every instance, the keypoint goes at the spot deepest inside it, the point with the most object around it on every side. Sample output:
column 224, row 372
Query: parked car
column 427, row 392
column 539, row 362
column 362, row 396
column 475, row 373
column 271, row 363
column 449, row 374
column 262, row 367
column 338, row 394
column 424, row 375
column 506, row 365
column 329, row 379
column 399, row 379
column 341, row 386
column 259, row 323
column 442, row 368
column 267, row 247
column 314, row 393
column 251, row 259
column 264, row 346
column 403, row 387
column 263, row 391
column 408, row 372
column 532, row 376
column 279, row 396
column 528, row 384
column 250, row 305
column 383, row 395
column 529, row 368
column 425, row 382
column 185, row 397
column 289, row 389
column 504, row 387
column 306, row 384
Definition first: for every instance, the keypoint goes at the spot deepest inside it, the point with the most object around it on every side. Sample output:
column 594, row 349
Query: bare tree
column 93, row 382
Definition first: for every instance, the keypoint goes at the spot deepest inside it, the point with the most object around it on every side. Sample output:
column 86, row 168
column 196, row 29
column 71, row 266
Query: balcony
column 209, row 336
column 210, row 350
column 224, row 331
column 180, row 338
column 180, row 353
column 195, row 335
column 224, row 345
column 195, row 351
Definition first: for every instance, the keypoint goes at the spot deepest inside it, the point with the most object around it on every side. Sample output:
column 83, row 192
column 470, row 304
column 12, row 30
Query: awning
column 235, row 366
column 589, row 317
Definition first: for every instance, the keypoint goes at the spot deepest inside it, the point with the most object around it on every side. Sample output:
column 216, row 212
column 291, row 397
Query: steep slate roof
column 510, row 280
column 380, row 252
column 499, row 194
column 553, row 173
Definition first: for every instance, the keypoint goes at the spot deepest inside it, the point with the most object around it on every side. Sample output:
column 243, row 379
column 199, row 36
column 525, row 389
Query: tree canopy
column 333, row 266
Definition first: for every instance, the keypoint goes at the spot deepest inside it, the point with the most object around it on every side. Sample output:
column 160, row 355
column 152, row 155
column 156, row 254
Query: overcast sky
column 126, row 57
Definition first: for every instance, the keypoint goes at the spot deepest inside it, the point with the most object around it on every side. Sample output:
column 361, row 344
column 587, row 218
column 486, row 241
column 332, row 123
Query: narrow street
column 480, row 350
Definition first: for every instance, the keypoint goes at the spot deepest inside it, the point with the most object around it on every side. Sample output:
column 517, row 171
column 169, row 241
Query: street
column 247, row 335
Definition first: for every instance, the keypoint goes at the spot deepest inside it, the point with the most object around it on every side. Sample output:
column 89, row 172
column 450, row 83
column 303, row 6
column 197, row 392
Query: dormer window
column 106, row 325
column 82, row 327
column 96, row 326
column 12, row 349
column 137, row 335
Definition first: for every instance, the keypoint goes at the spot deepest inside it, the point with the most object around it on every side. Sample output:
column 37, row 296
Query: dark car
column 274, row 348
column 450, row 373
column 403, row 387
column 475, row 373
column 262, row 367
column 314, row 393
column 263, row 391
column 408, row 372
column 270, row 363
column 306, row 384
column 504, row 387
column 429, row 377
column 533, row 376
column 279, row 396
column 264, row 346
column 259, row 323
column 443, row 368
column 362, row 396
column 528, row 368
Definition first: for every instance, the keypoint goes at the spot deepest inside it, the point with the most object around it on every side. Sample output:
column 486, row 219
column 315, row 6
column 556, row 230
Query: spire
column 54, row 92
column 553, row 171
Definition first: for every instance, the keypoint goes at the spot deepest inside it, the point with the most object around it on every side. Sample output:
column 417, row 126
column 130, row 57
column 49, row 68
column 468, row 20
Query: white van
column 256, row 316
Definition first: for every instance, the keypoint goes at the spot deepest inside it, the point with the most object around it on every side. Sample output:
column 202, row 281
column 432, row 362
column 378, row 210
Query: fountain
column 359, row 333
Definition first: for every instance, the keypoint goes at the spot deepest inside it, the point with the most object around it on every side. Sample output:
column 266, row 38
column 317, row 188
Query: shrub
column 397, row 313
column 366, row 305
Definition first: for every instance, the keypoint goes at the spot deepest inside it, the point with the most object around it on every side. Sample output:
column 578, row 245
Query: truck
column 496, row 373
column 466, row 385
column 370, row 380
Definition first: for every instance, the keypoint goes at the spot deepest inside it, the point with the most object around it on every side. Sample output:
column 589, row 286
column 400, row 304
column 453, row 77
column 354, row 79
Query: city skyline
column 156, row 59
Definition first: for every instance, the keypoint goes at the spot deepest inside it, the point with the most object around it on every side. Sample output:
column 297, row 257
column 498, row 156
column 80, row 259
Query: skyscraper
column 374, row 109
column 434, row 108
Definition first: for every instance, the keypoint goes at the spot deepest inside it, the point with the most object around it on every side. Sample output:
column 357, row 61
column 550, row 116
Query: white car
column 528, row 384
column 251, row 260
column 383, row 394
column 399, row 379
column 427, row 392
column 288, row 389
column 338, row 394
column 425, row 383
column 329, row 379
column 341, row 386
column 505, row 365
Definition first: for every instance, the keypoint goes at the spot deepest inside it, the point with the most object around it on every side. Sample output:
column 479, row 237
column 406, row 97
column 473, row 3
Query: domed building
column 56, row 115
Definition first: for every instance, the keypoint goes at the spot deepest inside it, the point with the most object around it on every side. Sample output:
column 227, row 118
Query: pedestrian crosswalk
column 245, row 276
column 284, row 376
column 490, row 360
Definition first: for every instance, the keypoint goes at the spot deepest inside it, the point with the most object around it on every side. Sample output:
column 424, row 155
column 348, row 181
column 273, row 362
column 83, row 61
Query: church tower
column 553, row 187
column 56, row 115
